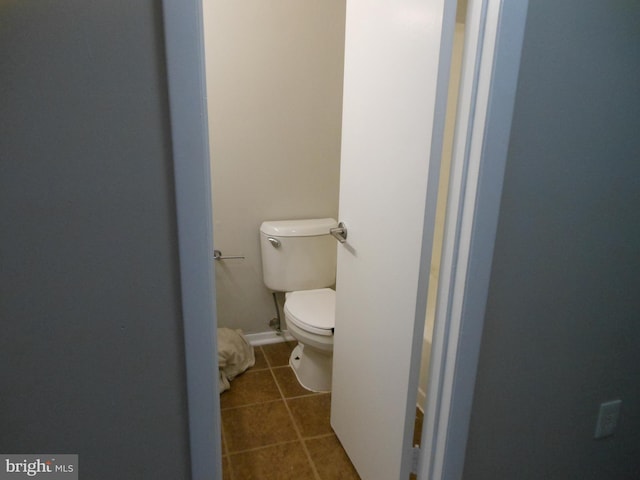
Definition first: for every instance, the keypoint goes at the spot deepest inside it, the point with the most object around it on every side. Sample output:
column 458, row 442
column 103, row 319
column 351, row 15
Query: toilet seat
column 312, row 310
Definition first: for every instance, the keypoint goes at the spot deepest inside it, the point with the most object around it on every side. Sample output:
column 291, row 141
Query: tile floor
column 272, row 428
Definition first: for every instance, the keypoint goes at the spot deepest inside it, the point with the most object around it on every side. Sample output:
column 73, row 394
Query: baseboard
column 265, row 338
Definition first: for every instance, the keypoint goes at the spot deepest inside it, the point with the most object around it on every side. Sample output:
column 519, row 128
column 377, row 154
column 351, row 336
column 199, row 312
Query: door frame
column 494, row 35
column 184, row 44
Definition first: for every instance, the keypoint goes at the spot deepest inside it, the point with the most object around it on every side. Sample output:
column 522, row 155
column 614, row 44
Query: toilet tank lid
column 298, row 228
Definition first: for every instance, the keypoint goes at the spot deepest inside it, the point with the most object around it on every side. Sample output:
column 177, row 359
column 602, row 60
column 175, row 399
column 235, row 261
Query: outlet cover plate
column 607, row 418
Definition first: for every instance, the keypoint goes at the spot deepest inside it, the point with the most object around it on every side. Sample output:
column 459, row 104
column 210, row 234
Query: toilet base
column 312, row 368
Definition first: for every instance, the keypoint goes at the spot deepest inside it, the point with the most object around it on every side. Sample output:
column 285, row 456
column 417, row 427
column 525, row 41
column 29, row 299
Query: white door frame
column 488, row 86
column 493, row 42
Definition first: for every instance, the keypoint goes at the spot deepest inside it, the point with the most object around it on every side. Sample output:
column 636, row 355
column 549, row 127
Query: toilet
column 299, row 258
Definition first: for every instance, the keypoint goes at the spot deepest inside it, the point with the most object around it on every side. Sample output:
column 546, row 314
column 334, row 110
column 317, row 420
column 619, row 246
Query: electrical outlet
column 607, row 418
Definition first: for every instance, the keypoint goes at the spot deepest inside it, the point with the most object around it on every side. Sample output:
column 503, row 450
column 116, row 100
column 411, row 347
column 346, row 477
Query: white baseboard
column 265, row 338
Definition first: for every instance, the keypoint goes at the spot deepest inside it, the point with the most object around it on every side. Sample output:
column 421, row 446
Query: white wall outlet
column 607, row 418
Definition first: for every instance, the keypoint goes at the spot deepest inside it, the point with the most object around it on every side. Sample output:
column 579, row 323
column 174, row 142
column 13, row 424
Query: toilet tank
column 298, row 254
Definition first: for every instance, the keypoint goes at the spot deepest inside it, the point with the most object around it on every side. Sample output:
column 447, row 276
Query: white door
column 391, row 68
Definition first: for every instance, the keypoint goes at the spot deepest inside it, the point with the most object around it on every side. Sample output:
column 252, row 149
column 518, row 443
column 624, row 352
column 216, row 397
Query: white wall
column 274, row 76
column 561, row 328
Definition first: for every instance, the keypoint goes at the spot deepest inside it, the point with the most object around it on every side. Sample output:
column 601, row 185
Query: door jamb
column 493, row 43
column 184, row 43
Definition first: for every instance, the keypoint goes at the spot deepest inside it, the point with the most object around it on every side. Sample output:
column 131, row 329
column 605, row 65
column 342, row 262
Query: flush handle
column 274, row 241
column 339, row 232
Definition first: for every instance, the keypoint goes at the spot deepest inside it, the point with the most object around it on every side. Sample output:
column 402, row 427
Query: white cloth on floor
column 235, row 355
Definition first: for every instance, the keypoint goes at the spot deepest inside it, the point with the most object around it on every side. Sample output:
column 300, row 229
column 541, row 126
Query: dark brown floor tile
column 330, row 459
column 279, row 462
column 257, row 426
column 224, row 445
column 312, row 414
column 226, row 472
column 289, row 383
column 250, row 387
column 261, row 362
column 278, row 353
column 417, row 427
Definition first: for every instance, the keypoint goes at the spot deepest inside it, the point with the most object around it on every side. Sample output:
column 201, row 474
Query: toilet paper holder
column 217, row 255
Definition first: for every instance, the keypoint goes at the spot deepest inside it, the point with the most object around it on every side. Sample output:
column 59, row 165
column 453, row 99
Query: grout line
column 259, row 369
column 262, row 447
column 229, row 462
column 277, row 366
column 295, row 427
column 234, row 452
column 266, row 359
column 226, row 445
column 284, row 399
column 316, row 437
column 306, row 395
column 249, row 405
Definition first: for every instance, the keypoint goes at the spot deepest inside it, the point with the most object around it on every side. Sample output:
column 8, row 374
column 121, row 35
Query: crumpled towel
column 235, row 355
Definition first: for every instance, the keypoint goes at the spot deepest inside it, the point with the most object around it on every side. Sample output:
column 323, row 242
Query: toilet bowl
column 310, row 319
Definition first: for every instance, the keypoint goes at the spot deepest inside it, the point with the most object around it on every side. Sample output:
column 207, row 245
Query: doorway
column 274, row 77
column 192, row 189
column 274, row 73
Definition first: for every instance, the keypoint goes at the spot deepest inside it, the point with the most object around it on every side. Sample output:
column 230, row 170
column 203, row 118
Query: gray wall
column 91, row 349
column 561, row 331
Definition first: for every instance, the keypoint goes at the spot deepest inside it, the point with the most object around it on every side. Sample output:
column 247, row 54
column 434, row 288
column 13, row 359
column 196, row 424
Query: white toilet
column 299, row 257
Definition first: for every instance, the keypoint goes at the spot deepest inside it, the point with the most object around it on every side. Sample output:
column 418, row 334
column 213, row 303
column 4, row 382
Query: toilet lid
column 312, row 310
